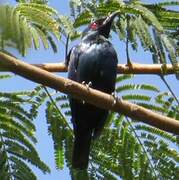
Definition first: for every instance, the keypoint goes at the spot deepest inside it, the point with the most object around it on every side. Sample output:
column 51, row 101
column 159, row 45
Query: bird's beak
column 111, row 17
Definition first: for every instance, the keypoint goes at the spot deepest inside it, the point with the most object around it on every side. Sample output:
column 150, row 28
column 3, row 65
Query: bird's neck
column 94, row 37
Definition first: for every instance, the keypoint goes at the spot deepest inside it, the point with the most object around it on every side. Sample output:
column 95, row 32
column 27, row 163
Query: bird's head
column 101, row 26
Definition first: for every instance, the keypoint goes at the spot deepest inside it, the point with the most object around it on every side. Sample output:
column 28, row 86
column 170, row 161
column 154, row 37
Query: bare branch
column 133, row 68
column 92, row 96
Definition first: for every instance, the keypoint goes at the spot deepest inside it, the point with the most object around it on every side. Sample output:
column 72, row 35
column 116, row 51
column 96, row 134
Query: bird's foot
column 88, row 85
column 114, row 95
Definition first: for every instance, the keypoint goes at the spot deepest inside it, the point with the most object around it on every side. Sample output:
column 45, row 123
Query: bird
column 92, row 62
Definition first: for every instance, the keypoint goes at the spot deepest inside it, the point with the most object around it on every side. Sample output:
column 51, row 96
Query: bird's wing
column 72, row 58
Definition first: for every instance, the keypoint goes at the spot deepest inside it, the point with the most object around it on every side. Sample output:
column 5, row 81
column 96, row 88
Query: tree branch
column 133, row 68
column 90, row 95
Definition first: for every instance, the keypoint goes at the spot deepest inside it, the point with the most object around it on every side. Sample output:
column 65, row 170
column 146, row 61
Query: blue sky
column 45, row 145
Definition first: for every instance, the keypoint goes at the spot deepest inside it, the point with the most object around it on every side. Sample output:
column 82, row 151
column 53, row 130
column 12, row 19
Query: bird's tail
column 81, row 150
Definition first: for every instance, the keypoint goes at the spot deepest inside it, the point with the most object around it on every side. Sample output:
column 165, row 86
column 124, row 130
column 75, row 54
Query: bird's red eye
column 94, row 26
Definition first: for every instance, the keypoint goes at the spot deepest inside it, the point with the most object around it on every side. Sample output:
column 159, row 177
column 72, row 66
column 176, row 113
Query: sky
column 45, row 144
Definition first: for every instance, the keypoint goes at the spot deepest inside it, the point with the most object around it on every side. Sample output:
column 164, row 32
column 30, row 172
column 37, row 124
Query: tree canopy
column 128, row 148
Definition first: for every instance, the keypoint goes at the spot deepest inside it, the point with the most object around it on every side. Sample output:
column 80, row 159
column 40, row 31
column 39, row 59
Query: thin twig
column 170, row 89
column 127, row 42
column 66, row 46
column 57, row 109
column 143, row 148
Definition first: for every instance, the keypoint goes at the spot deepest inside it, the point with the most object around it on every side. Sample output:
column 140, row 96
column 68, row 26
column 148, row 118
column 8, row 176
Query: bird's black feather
column 93, row 60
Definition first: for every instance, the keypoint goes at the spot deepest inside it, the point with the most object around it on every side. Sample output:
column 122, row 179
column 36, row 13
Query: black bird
column 93, row 61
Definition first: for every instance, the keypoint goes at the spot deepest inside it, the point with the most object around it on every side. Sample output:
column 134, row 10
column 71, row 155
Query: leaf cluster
column 17, row 134
column 27, row 25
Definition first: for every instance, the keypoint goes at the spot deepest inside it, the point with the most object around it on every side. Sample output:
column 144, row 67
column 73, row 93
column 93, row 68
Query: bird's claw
column 115, row 98
column 88, row 85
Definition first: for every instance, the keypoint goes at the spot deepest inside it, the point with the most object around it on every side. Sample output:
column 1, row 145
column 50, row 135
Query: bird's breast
column 97, row 63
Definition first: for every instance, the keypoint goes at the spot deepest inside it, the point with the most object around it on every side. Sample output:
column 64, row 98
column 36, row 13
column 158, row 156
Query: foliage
column 59, row 129
column 28, row 24
column 17, row 140
column 137, row 151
